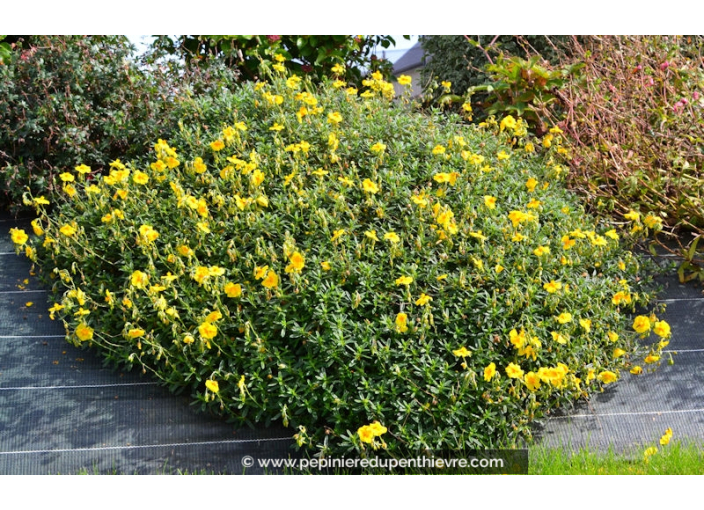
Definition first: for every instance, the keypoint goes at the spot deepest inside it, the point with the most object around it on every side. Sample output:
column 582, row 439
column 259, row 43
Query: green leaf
column 693, row 248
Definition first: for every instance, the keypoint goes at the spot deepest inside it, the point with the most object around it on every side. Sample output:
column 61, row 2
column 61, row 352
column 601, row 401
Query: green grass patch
column 676, row 458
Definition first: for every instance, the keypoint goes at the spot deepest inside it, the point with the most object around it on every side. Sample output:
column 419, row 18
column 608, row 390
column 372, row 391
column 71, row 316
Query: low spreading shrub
column 371, row 277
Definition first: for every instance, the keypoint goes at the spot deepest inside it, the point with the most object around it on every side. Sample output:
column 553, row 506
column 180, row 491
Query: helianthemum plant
column 383, row 280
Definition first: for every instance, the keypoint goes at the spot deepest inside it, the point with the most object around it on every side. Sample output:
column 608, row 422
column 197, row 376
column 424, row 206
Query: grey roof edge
column 412, row 59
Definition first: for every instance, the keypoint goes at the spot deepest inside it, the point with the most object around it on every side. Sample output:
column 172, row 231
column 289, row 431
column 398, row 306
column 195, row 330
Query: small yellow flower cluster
column 369, row 433
column 377, row 85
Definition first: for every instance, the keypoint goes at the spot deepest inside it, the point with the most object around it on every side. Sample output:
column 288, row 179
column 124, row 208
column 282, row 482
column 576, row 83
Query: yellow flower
column 618, row 353
column 662, row 329
column 438, row 149
column 446, row 85
column 208, row 330
column 502, row 156
column 419, row 200
column 651, row 358
column 612, row 336
column 531, row 184
column 586, row 324
column 517, row 339
column 67, row 230
column 446, row 177
column 641, row 324
column 541, row 250
column 41, row 201
column 552, row 286
column 67, row 177
column 260, row 272
column 377, row 429
column 213, row 316
column 637, row 370
column 198, row 166
column 366, row 435
column 404, row 79
column 632, row 215
column 233, row 290
column 346, row 181
column 567, row 243
column 649, row 452
column 257, row 178
column 84, row 332
column 441, row 277
column 653, row 222
column 564, row 318
column 598, row 241
column 70, row 190
column 392, row 237
column 507, row 122
column 612, row 234
column 293, row 82
column 518, row 217
column 140, row 177
column 498, row 268
column 271, row 281
column 559, row 337
column 369, row 186
column 139, row 279
column 217, row 145
column 404, row 280
column 423, row 300
column 532, row 381
column 462, row 352
column 334, row 118
column 621, row 297
column 490, row 201
column 276, row 127
column 325, row 266
column 338, row 68
column 36, row 226
column 188, row 339
column 83, row 169
column 371, row 234
column 378, row 148
column 514, row 371
column 401, row 322
column 607, row 377
column 147, row 232
column 665, row 439
column 489, row 372
column 337, row 234
column 184, row 250
column 135, row 333
column 213, row 386
column 19, row 236
column 297, row 263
